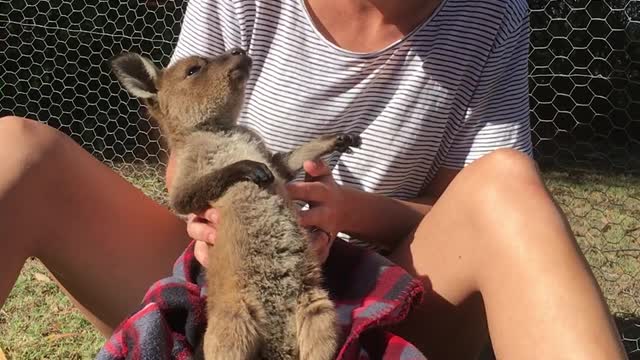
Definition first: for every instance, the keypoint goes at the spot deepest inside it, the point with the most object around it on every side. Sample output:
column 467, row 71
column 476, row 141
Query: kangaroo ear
column 137, row 74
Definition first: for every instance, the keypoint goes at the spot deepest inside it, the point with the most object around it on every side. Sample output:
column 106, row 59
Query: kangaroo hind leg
column 232, row 334
column 317, row 327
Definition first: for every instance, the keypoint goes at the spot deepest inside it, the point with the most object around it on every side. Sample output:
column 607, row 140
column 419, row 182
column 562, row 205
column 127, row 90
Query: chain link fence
column 585, row 108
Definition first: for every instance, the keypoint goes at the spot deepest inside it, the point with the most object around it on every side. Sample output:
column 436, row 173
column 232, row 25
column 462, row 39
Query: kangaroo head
column 194, row 93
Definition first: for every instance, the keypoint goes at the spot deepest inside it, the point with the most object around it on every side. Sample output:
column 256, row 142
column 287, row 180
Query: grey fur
column 265, row 292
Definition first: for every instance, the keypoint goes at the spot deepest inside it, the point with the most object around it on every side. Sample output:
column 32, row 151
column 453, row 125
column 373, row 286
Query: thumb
column 316, row 168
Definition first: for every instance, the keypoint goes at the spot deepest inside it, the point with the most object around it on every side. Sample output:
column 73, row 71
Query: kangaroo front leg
column 192, row 197
column 290, row 163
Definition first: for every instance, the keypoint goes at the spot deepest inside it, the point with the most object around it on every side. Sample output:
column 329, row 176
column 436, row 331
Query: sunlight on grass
column 39, row 322
column 604, row 213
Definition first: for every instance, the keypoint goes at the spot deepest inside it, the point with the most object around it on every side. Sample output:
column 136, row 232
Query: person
column 438, row 91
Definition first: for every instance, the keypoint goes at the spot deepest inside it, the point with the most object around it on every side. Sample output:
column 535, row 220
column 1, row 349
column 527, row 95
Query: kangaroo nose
column 237, row 51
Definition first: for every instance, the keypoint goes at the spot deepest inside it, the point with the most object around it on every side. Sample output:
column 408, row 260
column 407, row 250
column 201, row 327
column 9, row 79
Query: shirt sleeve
column 498, row 113
column 209, row 28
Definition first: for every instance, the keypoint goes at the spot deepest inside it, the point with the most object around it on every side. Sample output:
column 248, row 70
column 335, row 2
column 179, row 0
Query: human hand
column 202, row 229
column 325, row 199
column 170, row 171
column 321, row 193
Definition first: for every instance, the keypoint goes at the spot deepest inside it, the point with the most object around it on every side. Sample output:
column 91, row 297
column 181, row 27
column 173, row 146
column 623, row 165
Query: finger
column 308, row 191
column 317, row 217
column 201, row 231
column 201, row 252
column 319, row 239
column 321, row 243
column 170, row 171
column 196, row 218
column 212, row 215
column 316, row 169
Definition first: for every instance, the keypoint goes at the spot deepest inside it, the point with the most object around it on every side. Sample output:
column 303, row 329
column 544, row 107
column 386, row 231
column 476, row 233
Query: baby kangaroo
column 264, row 284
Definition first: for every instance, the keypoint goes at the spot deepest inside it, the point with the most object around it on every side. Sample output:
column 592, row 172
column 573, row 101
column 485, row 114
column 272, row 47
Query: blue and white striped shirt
column 449, row 92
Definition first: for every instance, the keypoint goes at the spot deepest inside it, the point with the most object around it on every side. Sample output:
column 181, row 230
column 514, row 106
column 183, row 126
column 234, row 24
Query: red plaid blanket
column 370, row 292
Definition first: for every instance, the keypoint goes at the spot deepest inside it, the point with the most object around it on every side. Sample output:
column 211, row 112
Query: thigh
column 496, row 230
column 450, row 322
column 101, row 237
column 448, row 251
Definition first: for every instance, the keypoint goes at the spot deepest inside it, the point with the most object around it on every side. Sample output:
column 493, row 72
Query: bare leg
column 496, row 232
column 103, row 239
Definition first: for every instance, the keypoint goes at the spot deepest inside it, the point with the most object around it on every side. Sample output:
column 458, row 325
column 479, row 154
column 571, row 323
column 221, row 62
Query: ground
column 39, row 322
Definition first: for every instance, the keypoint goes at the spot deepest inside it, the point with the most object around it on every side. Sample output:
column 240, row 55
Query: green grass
column 39, row 322
column 604, row 213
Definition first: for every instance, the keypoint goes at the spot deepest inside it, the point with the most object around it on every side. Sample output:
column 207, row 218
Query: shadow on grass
column 629, row 329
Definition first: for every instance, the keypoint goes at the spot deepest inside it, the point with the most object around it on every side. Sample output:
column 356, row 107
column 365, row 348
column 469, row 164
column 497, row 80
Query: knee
column 27, row 140
column 509, row 166
column 14, row 130
column 502, row 197
column 506, row 182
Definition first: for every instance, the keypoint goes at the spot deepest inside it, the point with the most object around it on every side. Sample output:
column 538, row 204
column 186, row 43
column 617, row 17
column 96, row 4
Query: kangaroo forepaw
column 345, row 142
column 260, row 175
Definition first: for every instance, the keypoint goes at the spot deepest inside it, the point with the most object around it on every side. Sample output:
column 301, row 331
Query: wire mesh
column 585, row 108
column 585, row 114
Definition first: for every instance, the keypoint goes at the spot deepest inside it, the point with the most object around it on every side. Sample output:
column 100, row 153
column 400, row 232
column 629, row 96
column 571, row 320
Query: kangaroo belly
column 264, row 252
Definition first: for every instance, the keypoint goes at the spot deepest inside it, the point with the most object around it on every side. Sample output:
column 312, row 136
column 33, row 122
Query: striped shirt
column 452, row 90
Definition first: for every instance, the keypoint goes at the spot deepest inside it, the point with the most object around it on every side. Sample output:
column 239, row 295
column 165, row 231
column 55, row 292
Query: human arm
column 497, row 117
column 379, row 218
column 370, row 217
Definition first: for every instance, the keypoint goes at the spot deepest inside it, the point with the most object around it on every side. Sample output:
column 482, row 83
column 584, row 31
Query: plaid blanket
column 370, row 293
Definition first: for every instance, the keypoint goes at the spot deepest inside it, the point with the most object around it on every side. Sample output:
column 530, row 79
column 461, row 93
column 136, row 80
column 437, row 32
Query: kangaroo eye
column 193, row 70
